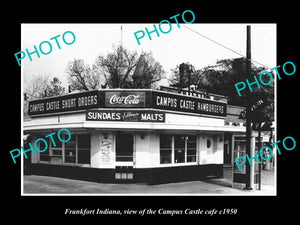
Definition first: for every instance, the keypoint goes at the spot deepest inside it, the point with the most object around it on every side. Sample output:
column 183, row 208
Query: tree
column 221, row 78
column 82, row 77
column 54, row 88
column 184, row 75
column 125, row 69
column 147, row 72
column 35, row 87
column 40, row 87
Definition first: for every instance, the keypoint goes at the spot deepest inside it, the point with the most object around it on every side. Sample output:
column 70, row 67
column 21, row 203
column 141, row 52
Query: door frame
column 126, row 163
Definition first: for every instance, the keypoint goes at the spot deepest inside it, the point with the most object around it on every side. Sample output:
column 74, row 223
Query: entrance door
column 124, row 147
column 124, row 157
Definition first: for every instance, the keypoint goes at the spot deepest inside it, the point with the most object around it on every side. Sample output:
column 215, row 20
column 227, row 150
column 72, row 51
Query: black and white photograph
column 140, row 111
column 148, row 112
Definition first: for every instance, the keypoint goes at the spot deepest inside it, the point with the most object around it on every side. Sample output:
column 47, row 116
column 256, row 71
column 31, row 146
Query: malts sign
column 127, row 99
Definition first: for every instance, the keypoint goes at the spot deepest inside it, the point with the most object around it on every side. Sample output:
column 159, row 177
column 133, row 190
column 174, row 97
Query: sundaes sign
column 124, row 99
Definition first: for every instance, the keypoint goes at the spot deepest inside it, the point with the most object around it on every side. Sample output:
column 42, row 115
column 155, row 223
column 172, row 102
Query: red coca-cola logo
column 125, row 100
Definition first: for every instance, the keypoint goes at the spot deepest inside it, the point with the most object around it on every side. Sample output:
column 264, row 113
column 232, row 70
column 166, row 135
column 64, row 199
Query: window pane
column 242, row 167
column 191, row 148
column 70, row 155
column 57, row 152
column 165, row 156
column 191, row 158
column 191, row 141
column 179, row 148
column 179, row 141
column 84, row 141
column 57, row 142
column 44, row 156
column 165, row 141
column 84, row 148
column 84, row 156
column 71, row 143
column 165, row 148
column 191, row 152
column 179, row 156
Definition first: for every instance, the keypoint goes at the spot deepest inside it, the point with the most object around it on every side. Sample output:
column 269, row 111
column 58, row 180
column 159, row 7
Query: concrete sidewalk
column 34, row 184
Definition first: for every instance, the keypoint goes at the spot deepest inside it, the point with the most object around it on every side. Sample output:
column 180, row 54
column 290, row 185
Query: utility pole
column 248, row 120
column 258, row 148
column 121, row 37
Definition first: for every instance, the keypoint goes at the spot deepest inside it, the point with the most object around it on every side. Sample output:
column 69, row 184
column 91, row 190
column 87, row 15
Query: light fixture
column 105, row 135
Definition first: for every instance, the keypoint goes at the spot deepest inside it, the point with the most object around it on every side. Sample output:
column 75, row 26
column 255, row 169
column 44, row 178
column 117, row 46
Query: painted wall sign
column 181, row 103
column 125, row 116
column 71, row 102
column 125, row 99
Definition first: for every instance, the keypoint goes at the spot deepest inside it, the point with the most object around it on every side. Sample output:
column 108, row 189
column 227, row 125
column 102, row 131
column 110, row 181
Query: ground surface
column 34, row 184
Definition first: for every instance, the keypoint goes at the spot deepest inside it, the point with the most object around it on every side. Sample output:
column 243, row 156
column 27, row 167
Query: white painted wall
column 193, row 120
column 214, row 154
column 146, row 150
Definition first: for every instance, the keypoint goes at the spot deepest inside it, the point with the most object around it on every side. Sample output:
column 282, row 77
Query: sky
column 178, row 46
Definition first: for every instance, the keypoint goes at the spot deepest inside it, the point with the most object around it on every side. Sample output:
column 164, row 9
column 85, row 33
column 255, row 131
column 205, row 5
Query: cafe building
column 130, row 135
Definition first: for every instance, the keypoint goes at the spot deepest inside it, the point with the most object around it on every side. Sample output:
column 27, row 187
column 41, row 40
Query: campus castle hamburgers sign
column 131, row 99
column 181, row 103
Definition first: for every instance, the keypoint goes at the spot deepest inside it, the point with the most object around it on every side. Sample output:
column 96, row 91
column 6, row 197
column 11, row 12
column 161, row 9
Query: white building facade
column 130, row 135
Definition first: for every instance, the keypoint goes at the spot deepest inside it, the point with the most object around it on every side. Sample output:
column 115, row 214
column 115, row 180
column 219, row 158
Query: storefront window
column 179, row 148
column 70, row 150
column 84, row 146
column 57, row 148
column 44, row 156
column 185, row 148
column 239, row 151
column 165, row 148
column 191, row 148
column 77, row 150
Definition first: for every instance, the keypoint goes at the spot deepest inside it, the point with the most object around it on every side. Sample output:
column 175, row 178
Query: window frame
column 173, row 149
column 63, row 151
column 166, row 149
column 44, row 153
column 191, row 148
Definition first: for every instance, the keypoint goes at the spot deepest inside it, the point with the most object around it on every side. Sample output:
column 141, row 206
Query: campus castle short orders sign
column 127, row 98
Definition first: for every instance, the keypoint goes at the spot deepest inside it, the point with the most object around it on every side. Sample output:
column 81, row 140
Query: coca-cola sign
column 124, row 99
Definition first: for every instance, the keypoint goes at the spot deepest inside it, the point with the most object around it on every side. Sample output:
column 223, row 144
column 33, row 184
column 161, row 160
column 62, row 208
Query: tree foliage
column 54, row 88
column 82, row 77
column 120, row 68
column 184, row 75
column 221, row 78
column 40, row 87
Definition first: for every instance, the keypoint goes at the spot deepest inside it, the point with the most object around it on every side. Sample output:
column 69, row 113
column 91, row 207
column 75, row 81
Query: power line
column 230, row 49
